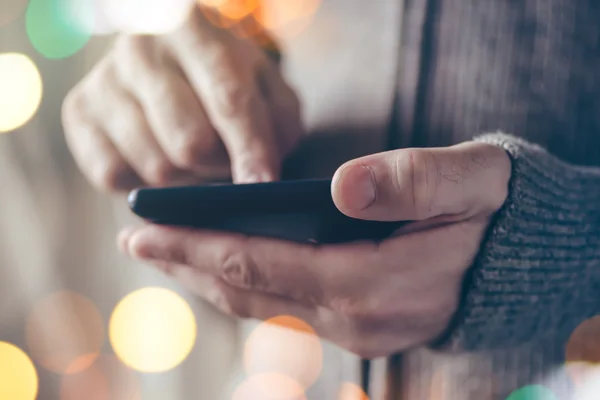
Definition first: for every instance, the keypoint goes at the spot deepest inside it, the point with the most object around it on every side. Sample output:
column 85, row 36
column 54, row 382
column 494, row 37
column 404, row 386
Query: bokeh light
column 351, row 391
column 141, row 16
column 65, row 332
column 18, row 377
column 588, row 384
column 20, row 90
column 57, row 28
column 533, row 392
column 233, row 9
column 285, row 345
column 152, row 330
column 253, row 18
column 227, row 14
column 583, row 349
column 287, row 18
column 584, row 343
column 107, row 379
column 269, row 386
column 10, row 10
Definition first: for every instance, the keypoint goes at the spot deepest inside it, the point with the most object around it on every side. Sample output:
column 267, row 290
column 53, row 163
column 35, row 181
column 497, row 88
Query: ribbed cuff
column 538, row 271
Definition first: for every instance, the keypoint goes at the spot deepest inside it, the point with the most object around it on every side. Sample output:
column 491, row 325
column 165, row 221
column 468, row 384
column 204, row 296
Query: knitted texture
column 539, row 270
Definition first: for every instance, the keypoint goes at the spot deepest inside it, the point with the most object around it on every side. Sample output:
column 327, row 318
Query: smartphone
column 300, row 211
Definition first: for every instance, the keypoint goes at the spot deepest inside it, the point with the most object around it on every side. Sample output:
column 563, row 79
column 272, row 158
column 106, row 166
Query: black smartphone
column 300, row 211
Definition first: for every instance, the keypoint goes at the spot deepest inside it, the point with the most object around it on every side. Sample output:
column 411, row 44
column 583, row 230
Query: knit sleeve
column 538, row 271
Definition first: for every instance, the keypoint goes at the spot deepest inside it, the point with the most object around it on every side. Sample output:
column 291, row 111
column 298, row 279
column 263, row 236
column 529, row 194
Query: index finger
column 307, row 273
column 221, row 72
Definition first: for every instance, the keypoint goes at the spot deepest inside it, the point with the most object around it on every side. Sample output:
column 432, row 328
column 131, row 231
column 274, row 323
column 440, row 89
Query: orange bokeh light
column 65, row 332
column 213, row 16
column 238, row 9
column 269, row 386
column 582, row 353
column 227, row 13
column 351, row 391
column 584, row 343
column 253, row 18
column 107, row 379
column 286, row 346
column 287, row 18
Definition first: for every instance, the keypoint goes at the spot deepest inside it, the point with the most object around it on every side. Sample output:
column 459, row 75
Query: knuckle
column 219, row 54
column 74, row 103
column 130, row 47
column 192, row 24
column 229, row 303
column 133, row 54
column 161, row 87
column 74, row 116
column 159, row 172
column 233, row 97
column 239, row 270
column 423, row 177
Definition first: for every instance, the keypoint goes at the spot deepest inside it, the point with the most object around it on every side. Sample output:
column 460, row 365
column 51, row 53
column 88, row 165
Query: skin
column 200, row 104
column 193, row 105
column 374, row 299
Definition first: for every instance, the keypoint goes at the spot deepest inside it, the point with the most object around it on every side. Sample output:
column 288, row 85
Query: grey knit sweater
column 531, row 68
column 539, row 270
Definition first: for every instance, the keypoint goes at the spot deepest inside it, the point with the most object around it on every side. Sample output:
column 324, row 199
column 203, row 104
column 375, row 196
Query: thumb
column 418, row 184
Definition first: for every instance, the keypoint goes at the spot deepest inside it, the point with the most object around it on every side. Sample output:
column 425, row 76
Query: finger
column 284, row 105
column 173, row 111
column 305, row 273
column 417, row 184
column 95, row 155
column 239, row 302
column 128, row 129
column 224, row 79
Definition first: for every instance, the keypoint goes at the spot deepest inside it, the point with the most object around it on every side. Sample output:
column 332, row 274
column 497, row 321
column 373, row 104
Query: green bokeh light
column 56, row 27
column 533, row 392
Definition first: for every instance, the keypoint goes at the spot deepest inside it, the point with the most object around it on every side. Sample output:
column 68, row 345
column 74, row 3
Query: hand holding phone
column 300, row 211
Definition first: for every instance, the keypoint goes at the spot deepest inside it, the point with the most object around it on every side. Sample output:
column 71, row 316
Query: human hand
column 373, row 299
column 192, row 105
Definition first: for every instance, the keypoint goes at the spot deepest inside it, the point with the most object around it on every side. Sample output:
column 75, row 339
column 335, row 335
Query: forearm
column 538, row 272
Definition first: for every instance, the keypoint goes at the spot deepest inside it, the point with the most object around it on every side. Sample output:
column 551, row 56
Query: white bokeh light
column 145, row 16
column 131, row 16
column 20, row 90
column 587, row 385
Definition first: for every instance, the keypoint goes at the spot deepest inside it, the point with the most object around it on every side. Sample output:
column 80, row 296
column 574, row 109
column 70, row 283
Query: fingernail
column 256, row 177
column 358, row 187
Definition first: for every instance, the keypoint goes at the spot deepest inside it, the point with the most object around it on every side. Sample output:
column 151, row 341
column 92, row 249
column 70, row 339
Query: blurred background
column 78, row 320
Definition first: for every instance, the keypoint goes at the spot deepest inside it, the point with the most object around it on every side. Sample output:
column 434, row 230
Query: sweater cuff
column 538, row 270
